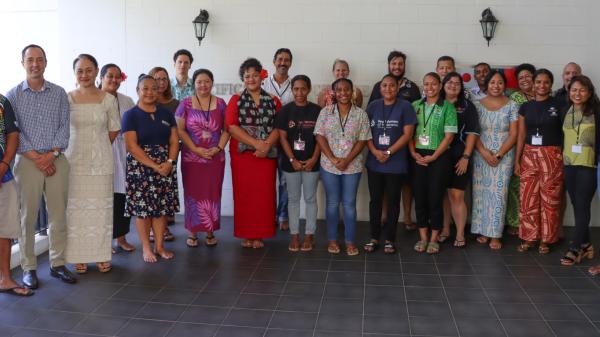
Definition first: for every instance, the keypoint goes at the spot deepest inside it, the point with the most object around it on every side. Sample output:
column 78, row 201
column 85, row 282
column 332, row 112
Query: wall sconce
column 488, row 24
column 200, row 24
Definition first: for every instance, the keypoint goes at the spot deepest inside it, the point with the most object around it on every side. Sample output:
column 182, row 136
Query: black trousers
column 391, row 185
column 120, row 221
column 429, row 185
column 581, row 185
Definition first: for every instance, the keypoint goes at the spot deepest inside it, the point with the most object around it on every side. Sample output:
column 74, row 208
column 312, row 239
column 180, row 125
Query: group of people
column 100, row 159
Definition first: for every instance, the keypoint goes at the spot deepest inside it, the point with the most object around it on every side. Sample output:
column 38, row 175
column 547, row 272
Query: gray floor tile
column 385, row 325
column 203, row 314
column 217, row 299
column 553, row 312
column 574, row 329
column 144, row 328
column 248, row 317
column 56, row 320
column 341, row 323
column 160, row 311
column 298, row 303
column 430, row 326
column 342, row 306
column 256, row 301
column 473, row 310
column 102, row 325
column 344, row 291
column 192, row 330
column 424, row 294
column 470, row 327
column 293, row 320
column 234, row 331
column 526, row 328
column 175, row 296
column 517, row 311
column 120, row 308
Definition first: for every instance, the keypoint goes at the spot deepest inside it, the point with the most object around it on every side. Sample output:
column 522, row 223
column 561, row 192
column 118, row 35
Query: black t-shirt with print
column 543, row 118
column 299, row 123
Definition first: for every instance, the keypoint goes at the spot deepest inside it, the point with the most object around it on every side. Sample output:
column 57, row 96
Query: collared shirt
column 43, row 117
column 180, row 93
column 476, row 94
column 342, row 135
column 283, row 91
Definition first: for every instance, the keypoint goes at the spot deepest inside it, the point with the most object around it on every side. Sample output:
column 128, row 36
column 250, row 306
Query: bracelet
column 466, row 156
column 220, row 148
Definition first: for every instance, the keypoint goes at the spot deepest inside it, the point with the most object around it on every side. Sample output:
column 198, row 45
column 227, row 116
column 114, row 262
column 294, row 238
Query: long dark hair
column 593, row 103
column 461, row 99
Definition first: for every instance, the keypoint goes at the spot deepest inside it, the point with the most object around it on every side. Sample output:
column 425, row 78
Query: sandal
column 104, row 267
column 460, row 243
column 168, row 236
column 17, row 291
column 495, row 244
column 258, row 244
column 588, row 251
column 333, row 247
column 571, row 257
column 126, row 246
column 525, row 246
column 543, row 249
column 294, row 245
column 442, row 238
column 351, row 250
column 210, row 240
column 247, row 243
column 595, row 270
column 371, row 246
column 307, row 245
column 284, row 226
column 389, row 248
column 420, row 246
column 433, row 248
column 192, row 241
column 482, row 239
column 81, row 268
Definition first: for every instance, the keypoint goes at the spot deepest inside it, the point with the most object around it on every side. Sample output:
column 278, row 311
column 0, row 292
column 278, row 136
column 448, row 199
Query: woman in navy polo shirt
column 392, row 126
column 151, row 183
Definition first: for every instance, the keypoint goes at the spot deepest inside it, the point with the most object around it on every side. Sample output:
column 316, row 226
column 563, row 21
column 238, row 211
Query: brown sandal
column 81, row 268
column 104, row 267
column 307, row 245
column 333, row 247
column 351, row 250
column 543, row 249
column 525, row 246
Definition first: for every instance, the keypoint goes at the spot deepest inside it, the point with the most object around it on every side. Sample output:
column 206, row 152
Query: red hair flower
column 264, row 74
column 123, row 76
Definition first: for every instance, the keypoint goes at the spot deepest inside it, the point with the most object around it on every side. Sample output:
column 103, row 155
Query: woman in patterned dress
column 200, row 122
column 152, row 144
column 493, row 160
column 95, row 124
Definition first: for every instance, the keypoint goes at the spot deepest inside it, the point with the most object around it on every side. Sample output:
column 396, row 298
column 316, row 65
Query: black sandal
column 389, row 248
column 371, row 246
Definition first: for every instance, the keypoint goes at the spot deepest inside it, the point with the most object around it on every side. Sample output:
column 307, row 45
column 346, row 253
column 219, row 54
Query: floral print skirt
column 148, row 193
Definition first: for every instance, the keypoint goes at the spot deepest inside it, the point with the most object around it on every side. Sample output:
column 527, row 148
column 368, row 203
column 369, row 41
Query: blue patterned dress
column 490, row 184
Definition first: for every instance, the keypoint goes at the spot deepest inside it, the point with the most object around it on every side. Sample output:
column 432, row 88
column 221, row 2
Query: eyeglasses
column 161, row 79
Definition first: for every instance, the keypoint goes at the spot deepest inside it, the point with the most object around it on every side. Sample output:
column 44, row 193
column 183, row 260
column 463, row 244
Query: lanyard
column 426, row 119
column 386, row 118
column 205, row 114
column 573, row 123
column 342, row 125
column 280, row 95
column 540, row 119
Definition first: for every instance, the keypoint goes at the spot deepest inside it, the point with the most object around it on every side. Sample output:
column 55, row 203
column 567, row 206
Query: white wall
column 140, row 34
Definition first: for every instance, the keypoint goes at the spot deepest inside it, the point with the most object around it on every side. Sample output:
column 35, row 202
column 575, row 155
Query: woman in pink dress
column 200, row 121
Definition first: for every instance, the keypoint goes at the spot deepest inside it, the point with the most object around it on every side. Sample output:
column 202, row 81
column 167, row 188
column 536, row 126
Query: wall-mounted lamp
column 488, row 24
column 200, row 24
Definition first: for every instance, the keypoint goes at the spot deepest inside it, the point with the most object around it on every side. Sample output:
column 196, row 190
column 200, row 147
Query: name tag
column 536, row 140
column 577, row 148
column 299, row 145
column 424, row 140
column 384, row 139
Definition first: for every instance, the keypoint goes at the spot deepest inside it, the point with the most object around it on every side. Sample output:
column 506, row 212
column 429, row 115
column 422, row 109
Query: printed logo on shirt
column 372, row 122
column 165, row 123
column 291, row 124
column 553, row 111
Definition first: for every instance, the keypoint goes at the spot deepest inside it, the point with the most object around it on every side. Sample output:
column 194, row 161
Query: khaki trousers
column 32, row 184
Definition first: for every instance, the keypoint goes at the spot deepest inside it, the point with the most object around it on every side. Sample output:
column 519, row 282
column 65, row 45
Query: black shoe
column 63, row 274
column 30, row 279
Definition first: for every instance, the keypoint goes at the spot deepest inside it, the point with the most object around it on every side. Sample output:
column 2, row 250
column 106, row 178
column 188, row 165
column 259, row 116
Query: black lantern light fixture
column 488, row 24
column 200, row 24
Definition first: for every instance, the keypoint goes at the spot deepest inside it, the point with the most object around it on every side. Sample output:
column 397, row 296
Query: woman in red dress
column 250, row 118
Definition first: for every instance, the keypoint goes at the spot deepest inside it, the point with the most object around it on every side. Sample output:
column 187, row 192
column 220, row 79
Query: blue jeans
column 282, row 194
column 340, row 188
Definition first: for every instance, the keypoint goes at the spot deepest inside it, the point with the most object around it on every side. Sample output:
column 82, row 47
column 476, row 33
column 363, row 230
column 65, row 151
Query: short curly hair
column 250, row 62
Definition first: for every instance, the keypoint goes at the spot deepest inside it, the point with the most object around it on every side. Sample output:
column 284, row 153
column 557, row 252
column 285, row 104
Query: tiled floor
column 228, row 291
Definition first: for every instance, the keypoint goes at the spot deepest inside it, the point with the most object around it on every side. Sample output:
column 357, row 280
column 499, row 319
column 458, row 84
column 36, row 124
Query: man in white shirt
column 480, row 71
column 279, row 84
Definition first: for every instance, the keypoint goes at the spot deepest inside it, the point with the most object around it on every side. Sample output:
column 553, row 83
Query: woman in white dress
column 95, row 124
column 111, row 78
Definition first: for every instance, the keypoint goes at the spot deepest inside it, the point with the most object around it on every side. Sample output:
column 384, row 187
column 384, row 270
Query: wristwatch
column 292, row 160
column 498, row 156
column 388, row 152
column 466, row 156
column 56, row 154
column 171, row 161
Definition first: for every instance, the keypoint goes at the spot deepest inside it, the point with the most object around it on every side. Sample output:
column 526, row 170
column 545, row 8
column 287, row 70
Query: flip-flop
column 442, row 238
column 13, row 291
column 192, row 242
column 210, row 241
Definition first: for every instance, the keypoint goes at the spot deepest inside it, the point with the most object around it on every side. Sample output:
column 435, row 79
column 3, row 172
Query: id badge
column 384, row 139
column 576, row 148
column 299, row 145
column 424, row 140
column 536, row 140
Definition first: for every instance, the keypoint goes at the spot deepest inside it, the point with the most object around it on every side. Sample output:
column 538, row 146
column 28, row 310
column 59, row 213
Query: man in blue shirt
column 42, row 112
